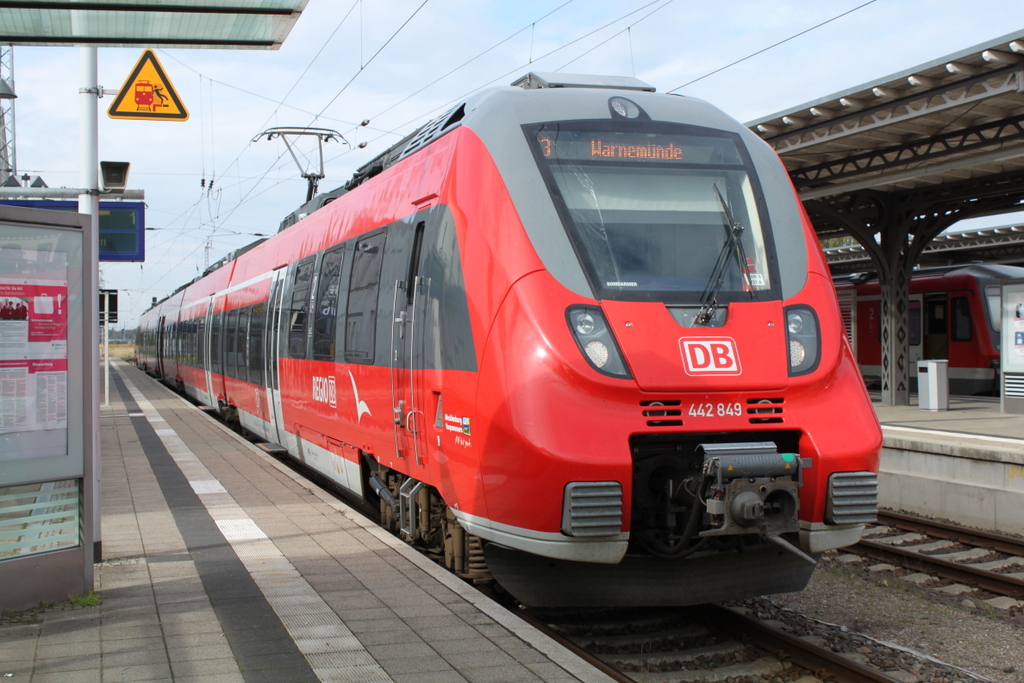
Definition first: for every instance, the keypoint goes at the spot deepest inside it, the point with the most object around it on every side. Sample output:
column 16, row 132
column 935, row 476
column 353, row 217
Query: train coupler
column 752, row 489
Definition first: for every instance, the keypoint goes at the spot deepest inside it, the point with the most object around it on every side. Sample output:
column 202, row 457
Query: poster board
column 41, row 338
column 1011, row 347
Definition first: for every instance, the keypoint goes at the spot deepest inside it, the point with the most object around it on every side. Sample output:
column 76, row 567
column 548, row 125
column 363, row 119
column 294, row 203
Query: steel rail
column 592, row 659
column 801, row 652
column 1001, row 584
column 952, row 532
column 779, row 643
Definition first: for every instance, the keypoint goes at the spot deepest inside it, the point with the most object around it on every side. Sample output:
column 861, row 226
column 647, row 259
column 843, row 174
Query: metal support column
column 89, row 204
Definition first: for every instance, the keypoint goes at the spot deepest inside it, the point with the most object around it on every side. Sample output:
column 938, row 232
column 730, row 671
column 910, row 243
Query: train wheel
column 464, row 553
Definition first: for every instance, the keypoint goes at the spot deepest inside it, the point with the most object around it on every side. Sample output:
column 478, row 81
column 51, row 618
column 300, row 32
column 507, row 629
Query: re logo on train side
column 710, row 356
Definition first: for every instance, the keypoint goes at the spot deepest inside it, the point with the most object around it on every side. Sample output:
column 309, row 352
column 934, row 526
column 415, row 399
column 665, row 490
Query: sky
column 397, row 63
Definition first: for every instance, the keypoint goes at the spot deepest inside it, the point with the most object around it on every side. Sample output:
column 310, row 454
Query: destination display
column 661, row 148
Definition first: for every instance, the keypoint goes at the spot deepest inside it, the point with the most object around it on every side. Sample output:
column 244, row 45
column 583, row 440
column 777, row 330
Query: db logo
column 710, row 356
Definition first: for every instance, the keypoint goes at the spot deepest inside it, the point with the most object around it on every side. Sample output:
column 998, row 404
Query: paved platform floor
column 968, row 415
column 221, row 564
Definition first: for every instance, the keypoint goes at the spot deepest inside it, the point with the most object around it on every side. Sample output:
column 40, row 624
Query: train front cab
column 597, row 363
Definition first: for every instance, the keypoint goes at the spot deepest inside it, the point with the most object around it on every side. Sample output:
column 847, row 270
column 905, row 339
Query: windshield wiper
column 733, row 248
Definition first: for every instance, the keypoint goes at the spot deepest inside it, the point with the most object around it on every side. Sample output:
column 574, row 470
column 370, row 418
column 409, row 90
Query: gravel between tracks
column 970, row 635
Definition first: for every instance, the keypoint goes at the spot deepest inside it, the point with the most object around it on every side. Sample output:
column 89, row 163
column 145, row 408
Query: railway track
column 969, row 558
column 702, row 644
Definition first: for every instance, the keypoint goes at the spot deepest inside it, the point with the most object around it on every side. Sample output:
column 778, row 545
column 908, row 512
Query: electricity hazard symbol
column 148, row 94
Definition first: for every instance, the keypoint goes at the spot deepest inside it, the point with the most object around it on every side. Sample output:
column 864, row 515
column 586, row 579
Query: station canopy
column 949, row 133
column 896, row 162
column 229, row 24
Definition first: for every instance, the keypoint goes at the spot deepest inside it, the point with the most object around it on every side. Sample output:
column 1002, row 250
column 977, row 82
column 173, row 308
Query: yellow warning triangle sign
column 148, row 94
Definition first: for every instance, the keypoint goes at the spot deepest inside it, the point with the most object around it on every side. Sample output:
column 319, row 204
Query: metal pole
column 106, row 349
column 89, row 204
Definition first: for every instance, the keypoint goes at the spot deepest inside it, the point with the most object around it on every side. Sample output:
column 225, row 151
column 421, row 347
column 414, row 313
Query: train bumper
column 646, row 581
column 816, row 537
column 603, row 550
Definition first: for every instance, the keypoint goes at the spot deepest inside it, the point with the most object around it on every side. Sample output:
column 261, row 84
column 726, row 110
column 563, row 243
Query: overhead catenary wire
column 772, row 46
column 256, row 191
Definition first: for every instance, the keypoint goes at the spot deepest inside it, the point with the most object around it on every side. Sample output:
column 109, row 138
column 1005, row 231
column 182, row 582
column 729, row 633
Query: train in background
column 954, row 315
column 573, row 335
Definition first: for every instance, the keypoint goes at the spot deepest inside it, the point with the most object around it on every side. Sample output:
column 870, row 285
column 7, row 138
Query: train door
column 207, row 329
column 936, row 327
column 914, row 348
column 160, row 341
column 407, row 334
column 272, row 341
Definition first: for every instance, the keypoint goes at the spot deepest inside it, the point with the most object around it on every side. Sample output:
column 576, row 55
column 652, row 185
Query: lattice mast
column 8, row 155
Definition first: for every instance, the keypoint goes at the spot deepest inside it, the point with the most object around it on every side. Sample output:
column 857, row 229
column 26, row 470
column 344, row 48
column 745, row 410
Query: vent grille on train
column 852, row 498
column 765, row 410
column 662, row 413
column 592, row 508
column 847, row 309
column 1013, row 386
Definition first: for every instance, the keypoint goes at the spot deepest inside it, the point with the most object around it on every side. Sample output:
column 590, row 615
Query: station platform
column 964, row 464
column 967, row 415
column 220, row 564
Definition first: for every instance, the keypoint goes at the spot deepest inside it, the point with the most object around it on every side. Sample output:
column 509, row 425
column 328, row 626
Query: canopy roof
column 957, row 118
column 232, row 24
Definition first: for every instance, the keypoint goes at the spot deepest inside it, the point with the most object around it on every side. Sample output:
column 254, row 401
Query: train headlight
column 797, row 354
column 803, row 338
column 598, row 354
column 594, row 338
column 794, row 322
column 585, row 324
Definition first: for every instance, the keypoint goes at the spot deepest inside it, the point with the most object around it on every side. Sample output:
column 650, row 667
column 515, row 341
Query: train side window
column 229, row 343
column 361, row 319
column 298, row 316
column 215, row 326
column 993, row 296
column 241, row 345
column 962, row 329
column 257, row 324
column 326, row 312
column 915, row 323
column 200, row 342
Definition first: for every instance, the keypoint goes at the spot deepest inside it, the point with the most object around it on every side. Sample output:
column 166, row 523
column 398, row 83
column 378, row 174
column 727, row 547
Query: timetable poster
column 34, row 349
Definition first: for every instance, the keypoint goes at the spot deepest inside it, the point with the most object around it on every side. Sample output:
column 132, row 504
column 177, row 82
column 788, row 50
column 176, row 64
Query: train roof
column 581, row 96
column 986, row 271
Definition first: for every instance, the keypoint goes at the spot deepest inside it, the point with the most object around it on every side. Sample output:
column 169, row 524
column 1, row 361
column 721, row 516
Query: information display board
column 1011, row 347
column 122, row 225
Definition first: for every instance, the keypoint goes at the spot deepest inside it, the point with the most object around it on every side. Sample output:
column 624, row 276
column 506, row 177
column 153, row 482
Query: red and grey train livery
column 582, row 338
column 953, row 315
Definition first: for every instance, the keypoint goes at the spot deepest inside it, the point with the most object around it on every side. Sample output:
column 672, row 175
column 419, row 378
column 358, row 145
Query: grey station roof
column 956, row 118
column 237, row 24
column 989, row 245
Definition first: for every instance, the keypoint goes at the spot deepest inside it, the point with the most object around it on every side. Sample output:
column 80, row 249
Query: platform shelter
column 895, row 162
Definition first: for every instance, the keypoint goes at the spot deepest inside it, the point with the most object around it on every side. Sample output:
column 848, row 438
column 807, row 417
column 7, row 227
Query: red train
column 581, row 339
column 953, row 315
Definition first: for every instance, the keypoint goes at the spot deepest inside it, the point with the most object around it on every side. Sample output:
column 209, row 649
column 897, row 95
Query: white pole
column 106, row 349
column 89, row 204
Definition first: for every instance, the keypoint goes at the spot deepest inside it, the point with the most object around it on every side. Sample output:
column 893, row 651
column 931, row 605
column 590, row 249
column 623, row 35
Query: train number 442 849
column 715, row 410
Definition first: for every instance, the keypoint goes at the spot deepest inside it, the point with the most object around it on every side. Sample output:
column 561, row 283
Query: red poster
column 33, row 340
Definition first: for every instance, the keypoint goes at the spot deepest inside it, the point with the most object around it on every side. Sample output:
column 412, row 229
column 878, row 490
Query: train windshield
column 647, row 208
